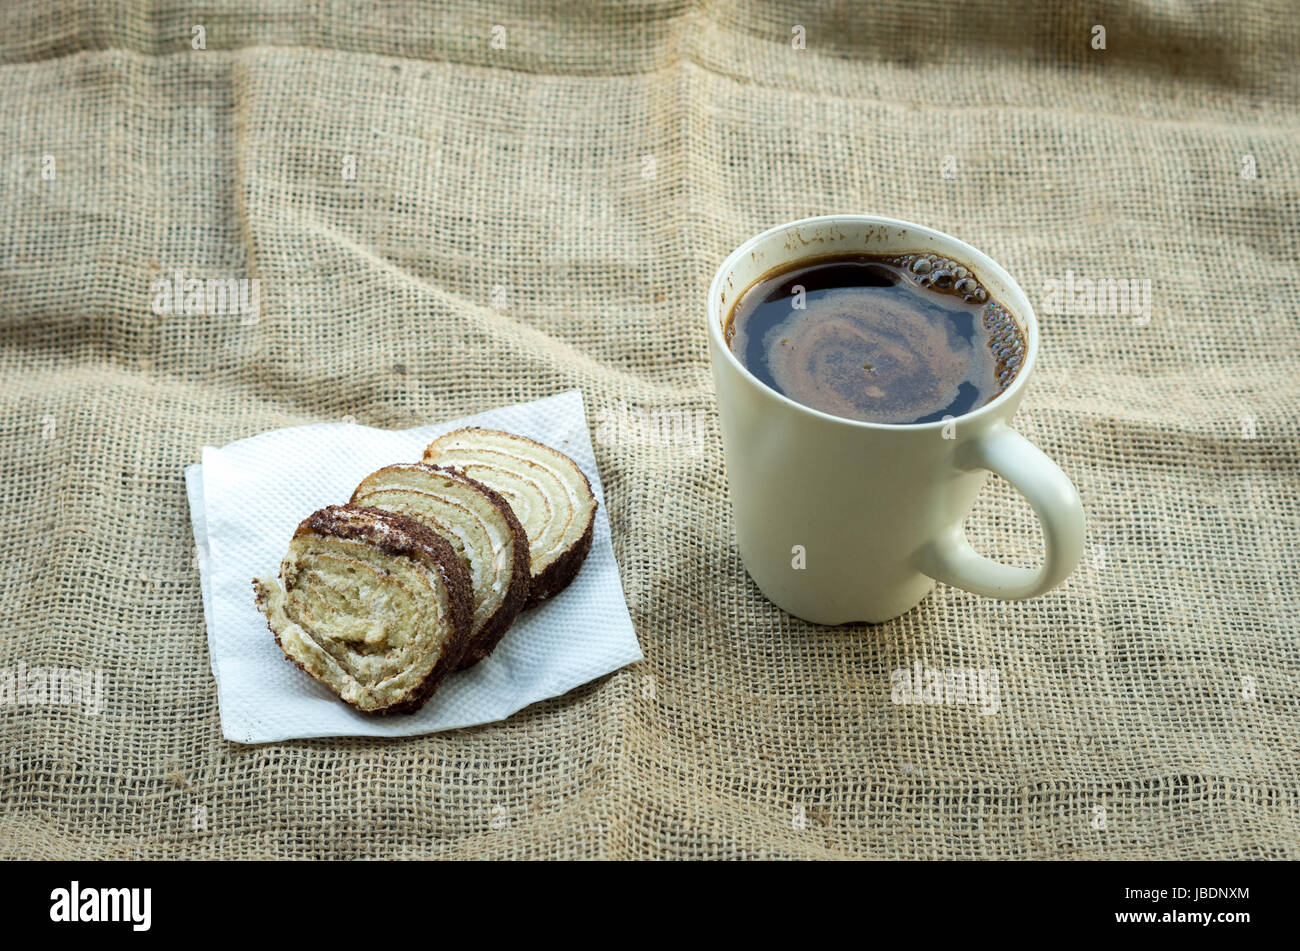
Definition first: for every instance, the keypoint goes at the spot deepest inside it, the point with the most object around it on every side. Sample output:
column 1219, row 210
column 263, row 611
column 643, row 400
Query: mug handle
column 950, row 557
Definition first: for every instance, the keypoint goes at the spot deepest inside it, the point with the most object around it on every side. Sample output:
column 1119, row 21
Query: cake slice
column 481, row 527
column 549, row 494
column 374, row 605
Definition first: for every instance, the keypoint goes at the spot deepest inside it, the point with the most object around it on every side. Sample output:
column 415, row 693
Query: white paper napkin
column 247, row 498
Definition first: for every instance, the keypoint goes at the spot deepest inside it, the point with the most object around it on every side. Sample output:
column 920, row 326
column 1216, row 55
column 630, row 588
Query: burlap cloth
column 548, row 215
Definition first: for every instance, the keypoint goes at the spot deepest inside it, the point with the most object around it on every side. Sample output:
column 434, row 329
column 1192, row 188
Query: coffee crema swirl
column 900, row 339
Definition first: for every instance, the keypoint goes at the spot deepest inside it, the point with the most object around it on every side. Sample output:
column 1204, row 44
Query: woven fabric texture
column 452, row 207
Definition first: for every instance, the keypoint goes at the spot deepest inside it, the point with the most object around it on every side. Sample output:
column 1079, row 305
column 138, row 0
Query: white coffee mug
column 839, row 520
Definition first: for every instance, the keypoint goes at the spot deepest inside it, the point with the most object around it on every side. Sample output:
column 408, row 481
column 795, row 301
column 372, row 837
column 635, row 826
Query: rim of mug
column 981, row 263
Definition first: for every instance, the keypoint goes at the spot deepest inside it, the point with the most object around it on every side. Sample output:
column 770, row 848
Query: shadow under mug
column 839, row 520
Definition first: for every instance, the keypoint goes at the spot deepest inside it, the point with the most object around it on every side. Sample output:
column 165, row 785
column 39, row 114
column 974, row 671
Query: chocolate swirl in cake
column 546, row 489
column 372, row 604
column 481, row 527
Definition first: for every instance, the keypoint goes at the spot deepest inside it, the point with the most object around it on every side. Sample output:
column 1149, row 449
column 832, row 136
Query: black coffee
column 907, row 338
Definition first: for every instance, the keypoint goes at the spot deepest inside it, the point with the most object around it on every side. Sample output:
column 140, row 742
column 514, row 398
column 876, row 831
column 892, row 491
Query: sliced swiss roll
column 372, row 604
column 547, row 491
column 481, row 527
